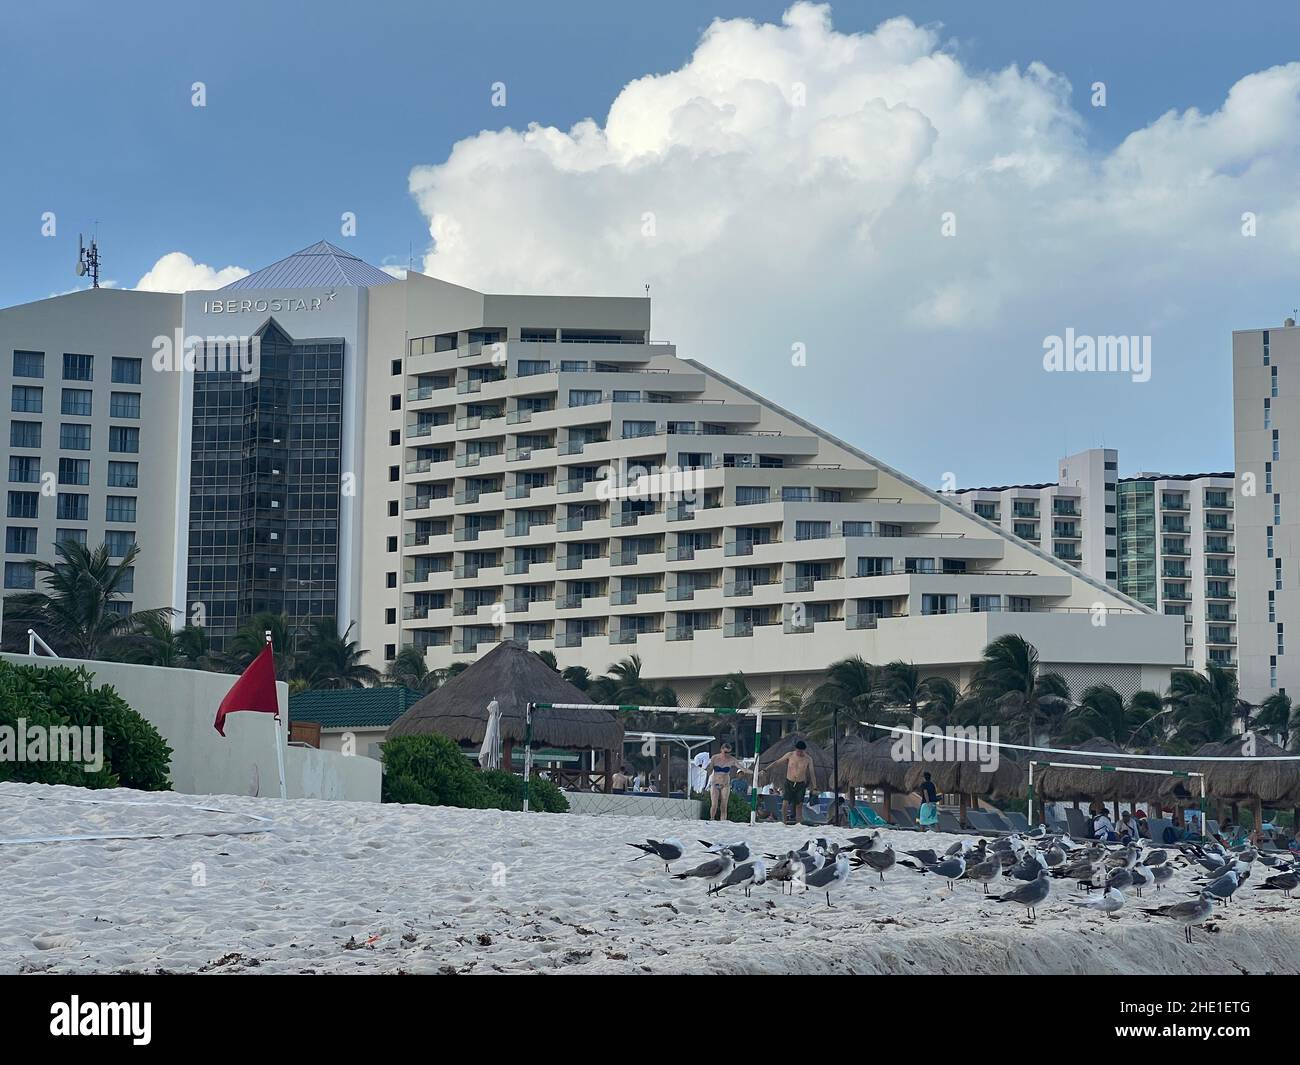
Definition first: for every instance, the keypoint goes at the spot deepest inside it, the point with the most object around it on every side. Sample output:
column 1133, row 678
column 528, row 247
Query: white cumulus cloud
column 921, row 227
column 177, row 272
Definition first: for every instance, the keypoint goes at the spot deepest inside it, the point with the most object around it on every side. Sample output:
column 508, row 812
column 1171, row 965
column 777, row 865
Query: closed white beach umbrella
column 489, row 755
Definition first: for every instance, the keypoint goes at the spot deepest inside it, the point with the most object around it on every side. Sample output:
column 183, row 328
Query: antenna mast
column 88, row 260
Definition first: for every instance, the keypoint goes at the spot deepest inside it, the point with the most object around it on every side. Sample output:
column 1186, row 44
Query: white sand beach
column 359, row 887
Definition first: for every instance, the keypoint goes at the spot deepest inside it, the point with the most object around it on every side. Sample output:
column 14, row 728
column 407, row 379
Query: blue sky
column 314, row 109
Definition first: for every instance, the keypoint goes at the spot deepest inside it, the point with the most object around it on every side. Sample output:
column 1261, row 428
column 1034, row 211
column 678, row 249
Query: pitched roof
column 320, row 266
column 514, row 676
column 352, row 707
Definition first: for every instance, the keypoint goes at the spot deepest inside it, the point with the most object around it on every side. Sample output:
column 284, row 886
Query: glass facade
column 264, row 486
column 1137, row 540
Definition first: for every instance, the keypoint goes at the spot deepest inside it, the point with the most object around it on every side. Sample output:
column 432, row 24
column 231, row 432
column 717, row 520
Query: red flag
column 254, row 690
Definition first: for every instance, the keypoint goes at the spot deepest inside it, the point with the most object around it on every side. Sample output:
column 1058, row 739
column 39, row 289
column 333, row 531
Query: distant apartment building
column 446, row 468
column 1165, row 540
column 1266, row 424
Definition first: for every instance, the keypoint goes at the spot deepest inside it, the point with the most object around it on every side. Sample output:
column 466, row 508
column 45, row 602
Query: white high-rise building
column 1166, row 540
column 446, row 468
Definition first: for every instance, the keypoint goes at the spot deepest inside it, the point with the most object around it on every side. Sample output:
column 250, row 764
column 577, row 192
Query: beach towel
column 929, row 813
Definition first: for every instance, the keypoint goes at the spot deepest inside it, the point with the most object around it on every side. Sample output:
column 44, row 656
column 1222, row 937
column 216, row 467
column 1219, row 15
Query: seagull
column 1119, row 878
column 1223, row 887
column 831, row 877
column 880, row 861
column 747, row 875
column 1143, row 876
column 866, row 843
column 1108, row 902
column 739, row 851
column 1030, row 895
column 1163, row 874
column 1283, row 882
column 714, row 869
column 1187, row 913
column 1082, row 870
column 783, row 872
column 985, row 873
column 1157, row 857
column 924, row 856
column 1124, row 859
column 1029, row 868
column 950, row 869
column 1054, row 856
column 669, row 851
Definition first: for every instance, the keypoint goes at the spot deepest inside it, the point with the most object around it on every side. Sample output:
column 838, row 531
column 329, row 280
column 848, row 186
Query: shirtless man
column 800, row 778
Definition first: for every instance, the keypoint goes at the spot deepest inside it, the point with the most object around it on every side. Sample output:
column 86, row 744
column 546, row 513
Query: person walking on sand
column 721, row 766
column 929, row 815
column 800, row 778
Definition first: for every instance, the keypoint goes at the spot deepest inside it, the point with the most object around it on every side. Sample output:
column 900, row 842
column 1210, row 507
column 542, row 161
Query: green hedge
column 134, row 753
column 433, row 771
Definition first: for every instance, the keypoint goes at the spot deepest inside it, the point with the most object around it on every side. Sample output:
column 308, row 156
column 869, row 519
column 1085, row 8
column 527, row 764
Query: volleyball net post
column 534, row 708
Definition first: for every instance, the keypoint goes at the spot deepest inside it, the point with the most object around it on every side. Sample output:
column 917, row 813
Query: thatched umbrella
column 870, row 764
column 820, row 758
column 967, row 776
column 1077, row 785
column 514, row 677
column 1258, row 783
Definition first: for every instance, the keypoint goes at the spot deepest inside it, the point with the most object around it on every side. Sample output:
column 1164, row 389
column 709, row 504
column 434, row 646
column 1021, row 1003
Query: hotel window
column 584, row 397
column 531, row 367
column 1281, row 645
column 1272, row 384
column 20, row 575
column 938, row 604
column 857, row 528
column 1268, row 414
column 1272, row 606
column 918, row 565
column 1276, row 451
column 1268, row 477
column 1277, row 510
column 124, row 440
column 123, row 475
column 796, row 494
column 812, row 530
column 634, row 429
column 118, row 542
column 1265, row 347
column 1268, row 535
column 127, row 583
column 1272, row 672
column 986, row 604
column 1277, row 573
column 74, row 471
column 77, row 402
column 24, row 469
column 749, row 495
column 20, row 540
column 623, row 395
column 27, row 399
column 74, row 437
column 73, row 506
column 29, row 364
column 24, row 434
column 875, row 567
column 124, row 405
column 126, row 371
column 1019, row 604
column 23, row 504
column 76, row 536
column 573, row 365
column 78, row 367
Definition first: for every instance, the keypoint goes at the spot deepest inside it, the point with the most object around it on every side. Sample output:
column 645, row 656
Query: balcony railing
column 680, row 593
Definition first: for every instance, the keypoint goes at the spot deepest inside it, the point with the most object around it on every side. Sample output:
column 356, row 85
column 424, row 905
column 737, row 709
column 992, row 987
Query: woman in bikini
column 721, row 767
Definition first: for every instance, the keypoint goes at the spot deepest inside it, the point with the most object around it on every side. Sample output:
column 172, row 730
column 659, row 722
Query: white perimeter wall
column 182, row 704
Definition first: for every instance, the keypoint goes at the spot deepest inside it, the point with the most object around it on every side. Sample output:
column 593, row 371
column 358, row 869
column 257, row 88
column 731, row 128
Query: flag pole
column 279, row 738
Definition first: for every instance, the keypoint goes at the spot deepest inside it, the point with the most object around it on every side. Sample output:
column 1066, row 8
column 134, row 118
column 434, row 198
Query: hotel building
column 447, row 468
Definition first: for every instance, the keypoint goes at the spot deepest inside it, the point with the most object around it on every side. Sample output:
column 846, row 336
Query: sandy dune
column 348, row 887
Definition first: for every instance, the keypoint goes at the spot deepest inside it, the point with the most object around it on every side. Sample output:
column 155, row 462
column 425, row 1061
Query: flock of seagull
column 1030, row 863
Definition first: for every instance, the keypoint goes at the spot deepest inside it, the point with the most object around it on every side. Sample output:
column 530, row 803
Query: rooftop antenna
column 647, row 289
column 88, row 260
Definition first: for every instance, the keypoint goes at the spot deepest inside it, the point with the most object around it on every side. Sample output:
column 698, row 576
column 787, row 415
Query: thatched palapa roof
column 820, row 757
column 514, row 676
column 1054, row 782
column 966, row 774
column 1271, row 782
column 870, row 764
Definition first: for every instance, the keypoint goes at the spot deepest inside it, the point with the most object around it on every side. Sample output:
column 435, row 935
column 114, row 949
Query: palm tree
column 80, row 612
column 549, row 658
column 247, row 643
column 627, row 687
column 1275, row 717
column 409, row 670
column 1147, row 716
column 943, row 701
column 1031, row 702
column 158, row 644
column 447, row 672
column 578, row 676
column 1100, row 714
column 900, row 685
column 852, row 685
column 1204, row 706
column 334, row 661
column 730, row 692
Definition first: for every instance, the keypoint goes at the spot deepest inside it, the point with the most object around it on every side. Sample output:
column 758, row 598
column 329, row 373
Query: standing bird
column 1283, row 882
column 784, row 870
column 830, row 877
column 867, row 843
column 669, row 851
column 985, row 872
column 714, row 869
column 1163, row 874
column 1054, row 857
column 925, row 856
column 1031, row 895
column 951, row 869
column 739, row 851
column 747, row 875
column 1196, row 911
column 880, row 861
column 1156, row 857
column 1143, row 877
column 1120, row 879
column 1223, row 887
column 1081, row 870
column 1108, row 902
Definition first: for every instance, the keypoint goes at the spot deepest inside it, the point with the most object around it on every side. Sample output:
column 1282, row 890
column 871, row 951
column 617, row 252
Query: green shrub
column 135, row 754
column 508, row 792
column 431, row 771
column 737, row 808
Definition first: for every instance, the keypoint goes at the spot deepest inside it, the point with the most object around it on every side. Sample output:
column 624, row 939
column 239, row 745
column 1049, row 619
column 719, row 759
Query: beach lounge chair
column 982, row 822
column 1159, row 827
column 1079, row 824
column 864, row 817
column 904, row 818
column 1018, row 822
column 948, row 823
column 1212, row 828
